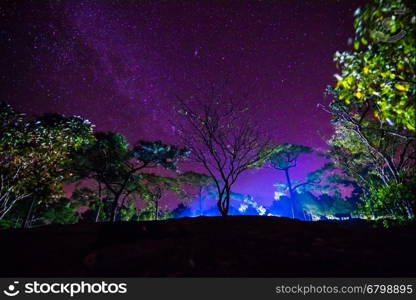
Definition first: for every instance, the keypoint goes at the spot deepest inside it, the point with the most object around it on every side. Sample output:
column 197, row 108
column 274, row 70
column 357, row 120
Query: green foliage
column 396, row 201
column 381, row 69
column 196, row 179
column 39, row 156
column 377, row 159
column 342, row 206
column 350, row 154
column 7, row 224
column 9, row 121
column 285, row 156
column 97, row 200
column 105, row 159
column 128, row 212
column 148, row 213
column 153, row 187
column 325, row 205
column 36, row 154
column 60, row 212
column 374, row 108
column 116, row 167
column 159, row 154
column 313, row 206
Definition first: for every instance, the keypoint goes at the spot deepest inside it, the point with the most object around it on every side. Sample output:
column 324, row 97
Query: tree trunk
column 97, row 216
column 115, row 207
column 409, row 210
column 219, row 205
column 291, row 192
column 29, row 212
column 156, row 210
column 200, row 201
column 224, row 202
column 227, row 202
column 219, row 202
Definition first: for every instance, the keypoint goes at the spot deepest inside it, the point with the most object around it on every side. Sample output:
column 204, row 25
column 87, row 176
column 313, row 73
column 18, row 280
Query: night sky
column 120, row 63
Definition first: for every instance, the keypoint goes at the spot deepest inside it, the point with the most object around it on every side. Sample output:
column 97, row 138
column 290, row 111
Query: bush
column 395, row 201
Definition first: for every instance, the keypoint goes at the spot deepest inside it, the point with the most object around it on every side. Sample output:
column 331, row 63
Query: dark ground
column 237, row 246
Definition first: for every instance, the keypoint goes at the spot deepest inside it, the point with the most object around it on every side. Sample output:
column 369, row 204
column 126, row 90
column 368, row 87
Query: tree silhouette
column 285, row 157
column 219, row 131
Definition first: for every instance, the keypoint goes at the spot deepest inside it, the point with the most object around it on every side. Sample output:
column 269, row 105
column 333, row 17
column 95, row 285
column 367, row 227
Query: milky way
column 120, row 63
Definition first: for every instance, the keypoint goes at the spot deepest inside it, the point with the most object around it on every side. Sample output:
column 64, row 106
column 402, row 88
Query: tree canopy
column 36, row 155
column 373, row 111
column 381, row 70
column 113, row 165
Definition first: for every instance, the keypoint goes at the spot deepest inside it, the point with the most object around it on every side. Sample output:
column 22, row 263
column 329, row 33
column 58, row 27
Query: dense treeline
column 114, row 181
column 371, row 155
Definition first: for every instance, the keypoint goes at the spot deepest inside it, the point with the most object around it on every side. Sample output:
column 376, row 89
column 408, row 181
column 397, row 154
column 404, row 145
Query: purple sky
column 119, row 63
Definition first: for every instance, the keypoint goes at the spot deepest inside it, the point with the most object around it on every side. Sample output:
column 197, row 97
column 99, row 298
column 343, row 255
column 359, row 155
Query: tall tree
column 373, row 110
column 375, row 159
column 285, row 157
column 36, row 155
column 223, row 138
column 53, row 138
column 379, row 74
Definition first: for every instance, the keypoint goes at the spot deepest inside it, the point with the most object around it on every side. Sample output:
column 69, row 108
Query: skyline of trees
column 108, row 159
column 372, row 149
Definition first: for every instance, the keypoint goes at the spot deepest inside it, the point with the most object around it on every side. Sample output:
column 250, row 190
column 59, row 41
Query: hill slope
column 238, row 246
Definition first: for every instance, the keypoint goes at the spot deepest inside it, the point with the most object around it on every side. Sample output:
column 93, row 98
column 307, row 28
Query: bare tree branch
column 218, row 130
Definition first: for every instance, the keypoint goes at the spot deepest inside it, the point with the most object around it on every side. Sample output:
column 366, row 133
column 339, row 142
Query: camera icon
column 11, row 290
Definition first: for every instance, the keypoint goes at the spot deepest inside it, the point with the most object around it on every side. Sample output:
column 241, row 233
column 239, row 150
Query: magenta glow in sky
column 120, row 63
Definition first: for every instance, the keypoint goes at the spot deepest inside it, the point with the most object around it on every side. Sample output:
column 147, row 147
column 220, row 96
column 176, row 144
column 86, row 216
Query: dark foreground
column 238, row 246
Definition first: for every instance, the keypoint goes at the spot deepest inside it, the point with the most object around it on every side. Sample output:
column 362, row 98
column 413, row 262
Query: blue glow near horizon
column 247, row 207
